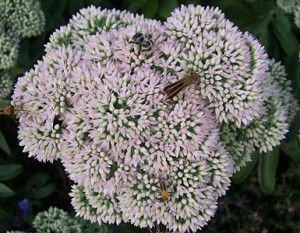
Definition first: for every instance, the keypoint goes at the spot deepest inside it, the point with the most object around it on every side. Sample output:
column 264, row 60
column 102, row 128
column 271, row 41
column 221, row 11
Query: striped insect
column 178, row 86
column 142, row 42
column 164, row 192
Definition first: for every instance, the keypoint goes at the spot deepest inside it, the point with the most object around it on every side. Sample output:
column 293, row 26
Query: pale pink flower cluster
column 95, row 102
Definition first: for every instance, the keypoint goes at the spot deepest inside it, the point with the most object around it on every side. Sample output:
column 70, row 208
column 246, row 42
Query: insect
column 176, row 87
column 143, row 43
column 163, row 192
column 9, row 110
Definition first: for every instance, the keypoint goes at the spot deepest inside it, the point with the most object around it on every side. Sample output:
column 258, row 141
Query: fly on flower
column 143, row 43
column 176, row 87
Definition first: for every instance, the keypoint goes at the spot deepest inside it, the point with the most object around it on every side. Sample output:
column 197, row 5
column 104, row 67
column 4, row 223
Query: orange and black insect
column 164, row 193
column 176, row 87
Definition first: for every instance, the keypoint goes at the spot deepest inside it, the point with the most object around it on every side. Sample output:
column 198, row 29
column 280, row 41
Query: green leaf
column 10, row 171
column 23, row 59
column 166, row 6
column 36, row 48
column 102, row 3
column 5, row 191
column 39, row 179
column 43, row 192
column 282, row 30
column 54, row 10
column 242, row 175
column 267, row 170
column 240, row 13
column 3, row 144
column 264, row 37
column 260, row 25
column 282, row 20
column 293, row 129
column 4, row 103
column 74, row 6
column 134, row 6
column 292, row 149
column 4, row 215
column 150, row 8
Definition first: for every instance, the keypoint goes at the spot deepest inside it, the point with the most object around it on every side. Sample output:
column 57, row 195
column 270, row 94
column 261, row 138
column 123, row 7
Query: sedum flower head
column 89, row 21
column 297, row 16
column 24, row 17
column 288, row 5
column 59, row 221
column 6, row 84
column 291, row 7
column 9, row 50
column 95, row 102
column 16, row 232
column 266, row 131
column 231, row 64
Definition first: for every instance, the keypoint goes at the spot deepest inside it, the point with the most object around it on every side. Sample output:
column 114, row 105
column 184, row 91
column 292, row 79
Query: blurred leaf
column 134, row 6
column 74, row 6
column 240, row 13
column 282, row 30
column 53, row 10
column 242, row 175
column 4, row 215
column 267, row 170
column 166, row 6
column 293, row 69
column 264, row 37
column 294, row 129
column 292, row 149
column 4, row 103
column 43, row 192
column 36, row 49
column 23, row 59
column 274, row 49
column 10, row 171
column 150, row 8
column 102, row 3
column 37, row 180
column 3, row 144
column 282, row 20
column 186, row 2
column 260, row 25
column 5, row 191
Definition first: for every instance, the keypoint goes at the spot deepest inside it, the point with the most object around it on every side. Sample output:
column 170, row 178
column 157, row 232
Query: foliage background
column 264, row 196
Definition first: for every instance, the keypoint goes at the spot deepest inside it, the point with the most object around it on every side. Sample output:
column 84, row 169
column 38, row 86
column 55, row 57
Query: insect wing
column 174, row 88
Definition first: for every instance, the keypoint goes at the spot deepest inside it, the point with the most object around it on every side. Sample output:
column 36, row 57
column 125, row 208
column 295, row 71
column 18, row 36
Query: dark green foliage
column 247, row 209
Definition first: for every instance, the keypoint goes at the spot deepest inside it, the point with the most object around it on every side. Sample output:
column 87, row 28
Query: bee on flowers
column 142, row 43
column 164, row 191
